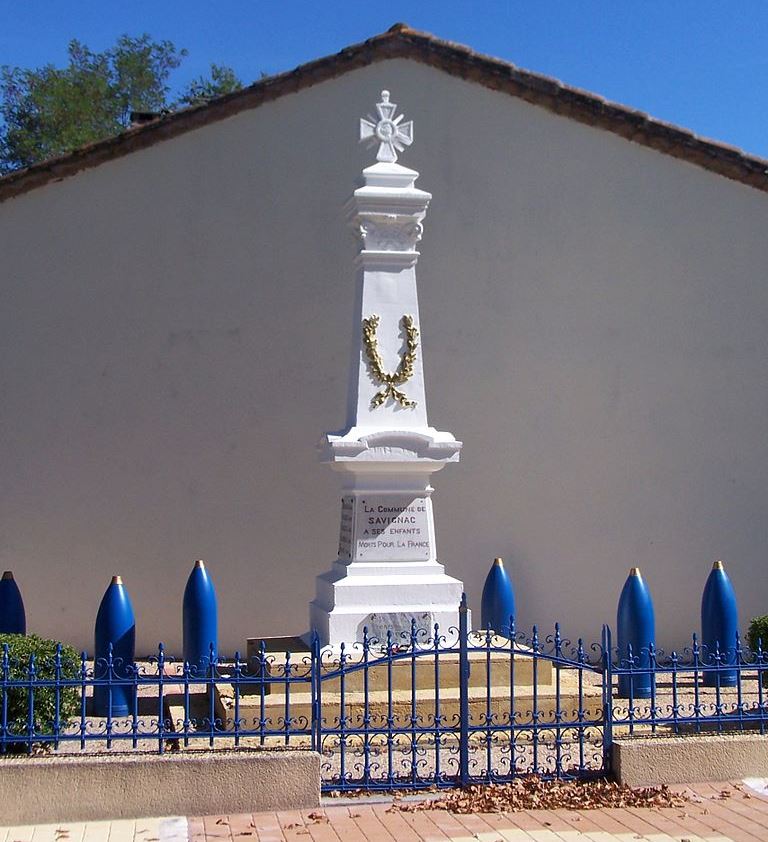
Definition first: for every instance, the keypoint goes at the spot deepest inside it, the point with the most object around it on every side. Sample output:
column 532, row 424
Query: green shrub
column 20, row 648
column 758, row 630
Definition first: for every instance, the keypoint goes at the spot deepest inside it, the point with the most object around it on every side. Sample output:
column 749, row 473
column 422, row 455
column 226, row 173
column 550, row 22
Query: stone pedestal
column 387, row 570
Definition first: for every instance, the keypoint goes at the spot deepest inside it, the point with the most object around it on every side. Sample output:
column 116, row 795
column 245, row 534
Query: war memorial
column 387, row 571
column 390, row 679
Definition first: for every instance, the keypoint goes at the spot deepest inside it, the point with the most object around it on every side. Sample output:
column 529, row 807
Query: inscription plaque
column 385, row 527
column 392, row 527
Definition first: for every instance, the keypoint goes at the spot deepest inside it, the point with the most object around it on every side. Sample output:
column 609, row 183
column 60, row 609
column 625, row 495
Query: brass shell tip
column 634, row 571
column 117, row 580
column 7, row 575
column 199, row 564
column 498, row 562
column 718, row 565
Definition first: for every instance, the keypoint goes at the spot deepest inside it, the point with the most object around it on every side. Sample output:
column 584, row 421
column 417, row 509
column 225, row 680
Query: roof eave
column 402, row 42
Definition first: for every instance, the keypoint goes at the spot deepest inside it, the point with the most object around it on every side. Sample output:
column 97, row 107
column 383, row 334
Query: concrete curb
column 651, row 761
column 35, row 790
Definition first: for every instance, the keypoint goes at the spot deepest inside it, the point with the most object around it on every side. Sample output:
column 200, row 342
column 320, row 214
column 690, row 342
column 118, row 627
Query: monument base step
column 501, row 670
column 405, row 704
column 352, row 597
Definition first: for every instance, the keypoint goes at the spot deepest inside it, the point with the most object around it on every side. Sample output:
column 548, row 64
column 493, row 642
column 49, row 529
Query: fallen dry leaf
column 532, row 793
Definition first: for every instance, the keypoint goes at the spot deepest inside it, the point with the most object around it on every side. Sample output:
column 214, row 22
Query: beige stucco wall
column 174, row 338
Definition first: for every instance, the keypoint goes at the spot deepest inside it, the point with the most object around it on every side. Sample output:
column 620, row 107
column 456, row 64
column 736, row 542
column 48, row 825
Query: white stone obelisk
column 387, row 570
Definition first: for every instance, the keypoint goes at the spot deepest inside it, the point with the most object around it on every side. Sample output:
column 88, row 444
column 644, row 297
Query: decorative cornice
column 359, row 445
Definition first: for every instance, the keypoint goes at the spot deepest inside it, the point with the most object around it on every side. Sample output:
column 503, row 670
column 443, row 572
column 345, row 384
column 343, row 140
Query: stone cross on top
column 389, row 131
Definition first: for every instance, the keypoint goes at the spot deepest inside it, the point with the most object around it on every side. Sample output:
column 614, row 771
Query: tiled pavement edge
column 727, row 812
column 167, row 829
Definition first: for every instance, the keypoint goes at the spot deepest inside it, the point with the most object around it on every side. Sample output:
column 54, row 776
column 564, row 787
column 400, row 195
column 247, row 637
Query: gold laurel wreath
column 376, row 364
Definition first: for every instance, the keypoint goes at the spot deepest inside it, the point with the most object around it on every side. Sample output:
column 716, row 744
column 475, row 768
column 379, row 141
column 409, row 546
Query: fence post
column 463, row 693
column 607, row 646
column 315, row 678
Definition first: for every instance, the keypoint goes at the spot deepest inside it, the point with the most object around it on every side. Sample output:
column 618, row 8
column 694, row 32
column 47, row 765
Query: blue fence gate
column 447, row 709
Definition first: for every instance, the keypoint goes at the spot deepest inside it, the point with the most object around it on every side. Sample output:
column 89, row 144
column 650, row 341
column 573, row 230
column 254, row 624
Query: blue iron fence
column 420, row 709
column 698, row 689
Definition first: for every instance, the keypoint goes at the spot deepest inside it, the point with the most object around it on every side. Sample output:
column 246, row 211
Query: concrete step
column 499, row 670
column 423, row 704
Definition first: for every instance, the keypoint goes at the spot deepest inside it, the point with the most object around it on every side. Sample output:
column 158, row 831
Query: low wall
column 34, row 790
column 650, row 761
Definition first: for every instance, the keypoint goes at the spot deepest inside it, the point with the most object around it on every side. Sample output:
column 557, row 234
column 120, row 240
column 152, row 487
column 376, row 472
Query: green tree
column 50, row 111
column 221, row 81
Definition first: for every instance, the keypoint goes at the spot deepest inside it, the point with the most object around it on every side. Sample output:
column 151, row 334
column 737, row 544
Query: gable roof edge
column 457, row 60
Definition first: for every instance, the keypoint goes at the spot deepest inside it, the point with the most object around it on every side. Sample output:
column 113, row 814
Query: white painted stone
column 387, row 567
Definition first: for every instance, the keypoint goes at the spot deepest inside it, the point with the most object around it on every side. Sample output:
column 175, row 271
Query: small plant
column 758, row 631
column 16, row 667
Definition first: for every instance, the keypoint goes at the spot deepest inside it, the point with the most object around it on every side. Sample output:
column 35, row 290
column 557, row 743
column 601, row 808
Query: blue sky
column 698, row 63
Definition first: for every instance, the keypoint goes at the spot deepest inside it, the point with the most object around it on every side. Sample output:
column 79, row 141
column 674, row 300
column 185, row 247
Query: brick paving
column 720, row 812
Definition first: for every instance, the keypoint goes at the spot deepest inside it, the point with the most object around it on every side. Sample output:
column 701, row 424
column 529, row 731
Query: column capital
column 387, row 213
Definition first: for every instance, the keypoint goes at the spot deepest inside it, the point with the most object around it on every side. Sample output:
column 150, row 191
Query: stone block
column 651, row 761
column 36, row 790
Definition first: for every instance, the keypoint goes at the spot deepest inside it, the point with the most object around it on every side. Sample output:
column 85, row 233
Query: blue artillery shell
column 636, row 628
column 115, row 624
column 719, row 627
column 13, row 619
column 200, row 619
column 498, row 603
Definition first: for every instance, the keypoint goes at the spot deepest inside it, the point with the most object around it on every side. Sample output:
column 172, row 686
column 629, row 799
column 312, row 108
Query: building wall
column 174, row 338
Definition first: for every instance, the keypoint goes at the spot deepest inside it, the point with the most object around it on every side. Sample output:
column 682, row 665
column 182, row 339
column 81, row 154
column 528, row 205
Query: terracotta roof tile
column 402, row 42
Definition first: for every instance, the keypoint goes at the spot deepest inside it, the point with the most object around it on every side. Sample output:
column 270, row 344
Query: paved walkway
column 717, row 813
